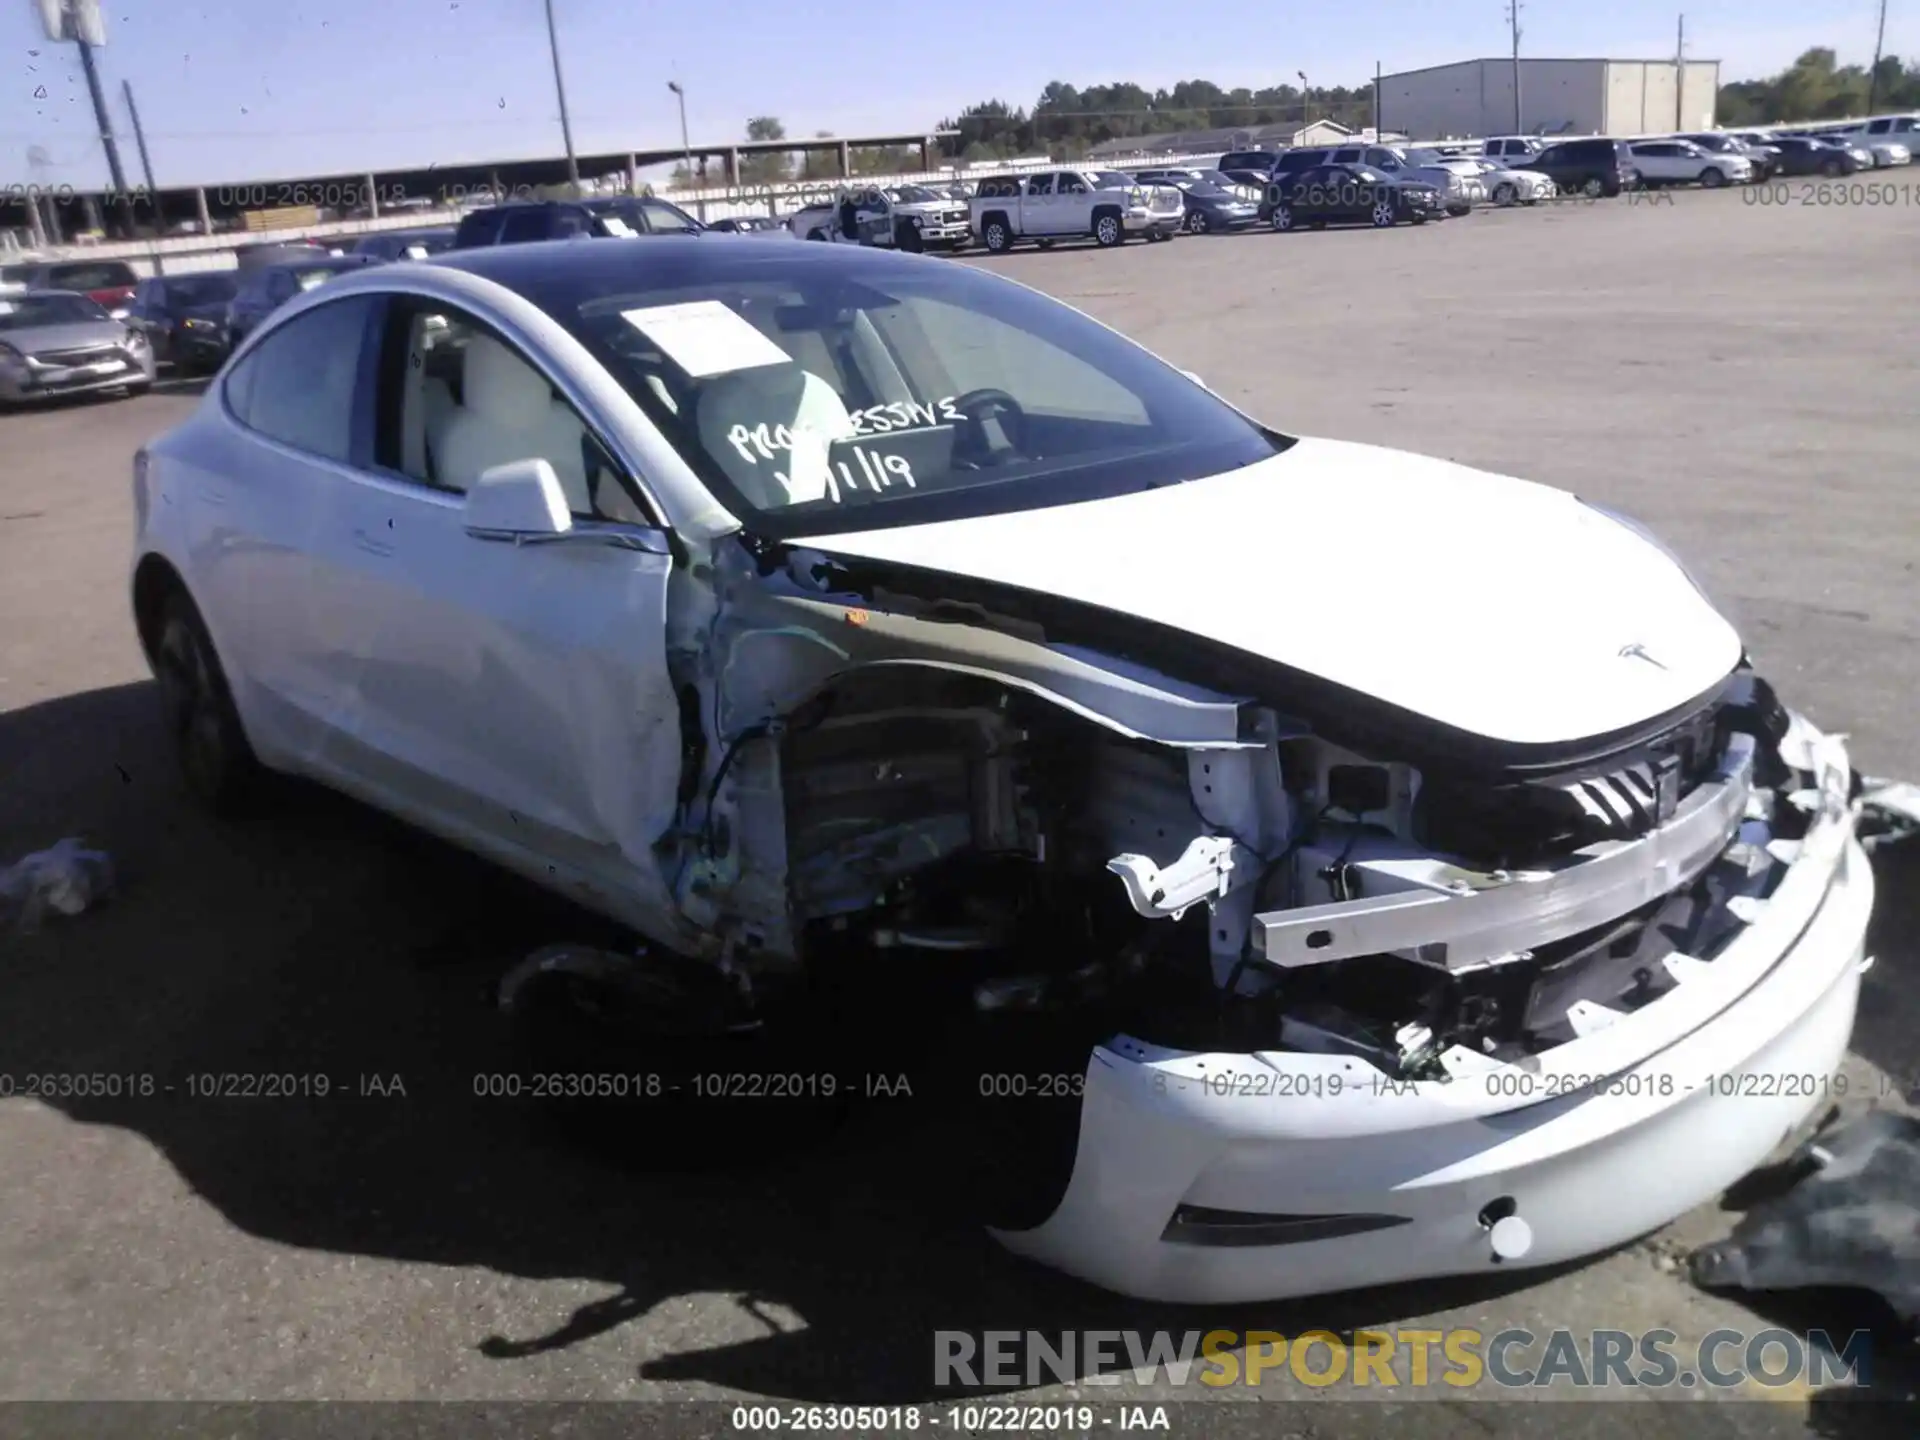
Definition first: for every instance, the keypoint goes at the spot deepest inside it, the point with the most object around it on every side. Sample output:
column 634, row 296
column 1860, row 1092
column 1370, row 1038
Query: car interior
column 470, row 402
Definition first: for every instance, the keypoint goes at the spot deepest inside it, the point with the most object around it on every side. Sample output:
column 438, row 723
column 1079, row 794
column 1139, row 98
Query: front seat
column 507, row 412
column 773, row 403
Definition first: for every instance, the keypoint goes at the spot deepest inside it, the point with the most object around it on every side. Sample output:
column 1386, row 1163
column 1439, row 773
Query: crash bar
column 1602, row 883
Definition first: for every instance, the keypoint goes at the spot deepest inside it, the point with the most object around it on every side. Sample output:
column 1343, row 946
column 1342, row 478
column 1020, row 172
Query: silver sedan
column 56, row 342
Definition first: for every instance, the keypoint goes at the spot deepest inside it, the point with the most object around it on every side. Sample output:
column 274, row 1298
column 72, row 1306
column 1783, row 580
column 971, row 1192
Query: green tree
column 766, row 167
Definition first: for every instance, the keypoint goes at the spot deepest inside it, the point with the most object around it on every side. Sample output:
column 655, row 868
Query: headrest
column 500, row 385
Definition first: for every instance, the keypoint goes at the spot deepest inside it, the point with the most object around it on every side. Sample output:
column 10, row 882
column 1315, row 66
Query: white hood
column 1493, row 605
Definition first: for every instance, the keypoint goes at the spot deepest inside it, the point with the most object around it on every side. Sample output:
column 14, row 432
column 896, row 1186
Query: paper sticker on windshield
column 704, row 337
column 614, row 225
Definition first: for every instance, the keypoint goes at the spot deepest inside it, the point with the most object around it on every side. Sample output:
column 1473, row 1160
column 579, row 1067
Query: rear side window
column 91, row 275
column 298, row 385
column 523, row 225
column 480, row 228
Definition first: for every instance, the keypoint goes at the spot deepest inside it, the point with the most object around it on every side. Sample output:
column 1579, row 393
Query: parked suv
column 561, row 219
column 1763, row 160
column 1591, row 167
column 1681, row 162
column 105, row 282
column 1261, row 160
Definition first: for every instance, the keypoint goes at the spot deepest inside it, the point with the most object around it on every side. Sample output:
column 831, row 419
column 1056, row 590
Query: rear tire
column 1505, row 193
column 216, row 759
column 1833, row 167
column 1594, row 188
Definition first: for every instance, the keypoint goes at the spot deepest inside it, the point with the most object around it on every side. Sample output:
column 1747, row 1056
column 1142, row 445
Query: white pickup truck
column 902, row 217
column 1055, row 205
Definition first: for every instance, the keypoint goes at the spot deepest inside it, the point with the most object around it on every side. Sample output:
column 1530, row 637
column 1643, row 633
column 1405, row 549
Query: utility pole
column 146, row 166
column 1513, row 22
column 560, row 89
column 1873, row 75
column 1376, row 104
column 1680, row 77
column 686, row 146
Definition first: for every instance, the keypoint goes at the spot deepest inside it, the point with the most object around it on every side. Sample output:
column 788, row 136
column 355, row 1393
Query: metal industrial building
column 1557, row 97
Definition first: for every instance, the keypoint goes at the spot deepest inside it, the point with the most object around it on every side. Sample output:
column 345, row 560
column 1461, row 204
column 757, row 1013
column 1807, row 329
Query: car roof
column 664, row 260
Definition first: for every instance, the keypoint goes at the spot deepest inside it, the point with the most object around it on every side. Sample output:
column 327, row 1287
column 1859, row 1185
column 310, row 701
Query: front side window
column 522, row 226
column 455, row 400
column 665, row 218
column 1071, row 185
column 1039, row 184
column 812, row 401
column 297, row 386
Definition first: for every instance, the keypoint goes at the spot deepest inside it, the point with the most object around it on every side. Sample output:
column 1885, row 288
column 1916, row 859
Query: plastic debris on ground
column 65, row 879
column 1889, row 811
column 1853, row 1219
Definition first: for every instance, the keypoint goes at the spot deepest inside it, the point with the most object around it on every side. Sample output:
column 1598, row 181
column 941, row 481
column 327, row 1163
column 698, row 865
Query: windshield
column 307, row 279
column 813, row 401
column 914, row 195
column 1114, row 180
column 26, row 312
column 1205, row 188
column 201, row 289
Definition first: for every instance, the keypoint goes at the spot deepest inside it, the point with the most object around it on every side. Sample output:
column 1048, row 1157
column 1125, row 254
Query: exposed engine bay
column 946, row 790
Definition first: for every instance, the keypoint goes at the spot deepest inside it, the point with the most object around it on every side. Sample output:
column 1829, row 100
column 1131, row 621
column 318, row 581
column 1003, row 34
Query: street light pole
column 1303, row 106
column 686, row 145
column 560, row 90
column 1873, row 75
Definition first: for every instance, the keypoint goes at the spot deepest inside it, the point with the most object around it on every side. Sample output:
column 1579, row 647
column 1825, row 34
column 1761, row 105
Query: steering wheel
column 978, row 406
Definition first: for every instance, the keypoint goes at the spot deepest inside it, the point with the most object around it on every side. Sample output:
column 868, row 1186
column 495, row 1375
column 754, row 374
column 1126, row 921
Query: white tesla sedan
column 1407, row 869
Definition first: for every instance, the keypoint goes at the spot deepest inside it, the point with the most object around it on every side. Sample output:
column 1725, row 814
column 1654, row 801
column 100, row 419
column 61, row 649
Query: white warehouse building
column 1570, row 97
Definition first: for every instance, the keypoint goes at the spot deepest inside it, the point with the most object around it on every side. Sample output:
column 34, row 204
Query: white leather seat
column 791, row 403
column 507, row 412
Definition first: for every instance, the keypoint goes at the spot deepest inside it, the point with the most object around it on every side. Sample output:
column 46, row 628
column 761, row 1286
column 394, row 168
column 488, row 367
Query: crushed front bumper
column 1234, row 1177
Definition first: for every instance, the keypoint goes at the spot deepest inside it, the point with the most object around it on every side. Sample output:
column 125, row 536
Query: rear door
column 512, row 695
column 1037, row 214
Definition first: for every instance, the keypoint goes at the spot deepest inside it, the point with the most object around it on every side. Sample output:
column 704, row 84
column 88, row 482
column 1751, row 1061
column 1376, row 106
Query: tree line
column 1065, row 122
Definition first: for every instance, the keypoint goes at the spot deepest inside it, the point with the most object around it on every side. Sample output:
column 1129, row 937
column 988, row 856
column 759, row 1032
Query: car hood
column 71, row 336
column 1492, row 605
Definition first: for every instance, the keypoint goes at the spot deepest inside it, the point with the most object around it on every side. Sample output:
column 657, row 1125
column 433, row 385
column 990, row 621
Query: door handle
column 372, row 546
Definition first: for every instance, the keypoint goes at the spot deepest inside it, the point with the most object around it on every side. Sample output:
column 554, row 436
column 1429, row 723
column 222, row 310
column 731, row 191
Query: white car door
column 515, row 698
column 1073, row 204
column 1037, row 213
column 280, row 446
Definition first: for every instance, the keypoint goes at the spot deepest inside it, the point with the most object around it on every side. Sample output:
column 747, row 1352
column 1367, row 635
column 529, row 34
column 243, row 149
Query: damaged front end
column 1257, row 938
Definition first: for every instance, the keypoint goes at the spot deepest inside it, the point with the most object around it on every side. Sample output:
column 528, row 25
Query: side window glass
column 303, row 378
column 1039, row 184
column 1071, row 185
column 522, row 225
column 668, row 218
column 467, row 401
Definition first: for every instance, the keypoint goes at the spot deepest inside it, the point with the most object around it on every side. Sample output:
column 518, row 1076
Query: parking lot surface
column 1742, row 377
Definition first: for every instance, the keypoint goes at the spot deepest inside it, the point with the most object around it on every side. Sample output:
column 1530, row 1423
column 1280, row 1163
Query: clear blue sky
column 259, row 89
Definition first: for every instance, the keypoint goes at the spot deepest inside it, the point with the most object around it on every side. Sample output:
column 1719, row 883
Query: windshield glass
column 812, row 401
column 25, row 312
column 913, row 195
column 1202, row 187
column 1113, row 180
column 201, row 289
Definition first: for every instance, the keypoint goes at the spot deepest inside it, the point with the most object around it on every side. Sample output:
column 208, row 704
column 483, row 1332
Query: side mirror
column 521, row 500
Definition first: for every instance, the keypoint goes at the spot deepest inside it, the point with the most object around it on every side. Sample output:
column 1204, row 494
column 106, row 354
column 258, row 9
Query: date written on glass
column 1523, row 1085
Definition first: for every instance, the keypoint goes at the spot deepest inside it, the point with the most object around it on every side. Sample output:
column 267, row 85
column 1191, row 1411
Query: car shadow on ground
column 325, row 940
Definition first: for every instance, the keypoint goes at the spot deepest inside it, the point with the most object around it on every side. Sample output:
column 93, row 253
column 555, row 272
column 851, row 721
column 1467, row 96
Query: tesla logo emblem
column 1637, row 651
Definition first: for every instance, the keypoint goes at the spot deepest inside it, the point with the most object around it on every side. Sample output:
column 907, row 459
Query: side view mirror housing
column 520, row 500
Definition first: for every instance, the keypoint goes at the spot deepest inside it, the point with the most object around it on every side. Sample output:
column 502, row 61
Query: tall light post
column 560, row 90
column 1873, row 75
column 1513, row 23
column 1303, row 106
column 686, row 145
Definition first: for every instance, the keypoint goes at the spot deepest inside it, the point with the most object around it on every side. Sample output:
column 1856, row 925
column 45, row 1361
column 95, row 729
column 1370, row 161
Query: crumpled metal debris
column 1852, row 1220
column 67, row 878
column 1889, row 811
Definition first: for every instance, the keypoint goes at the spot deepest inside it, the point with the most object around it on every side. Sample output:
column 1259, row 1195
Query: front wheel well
column 155, row 583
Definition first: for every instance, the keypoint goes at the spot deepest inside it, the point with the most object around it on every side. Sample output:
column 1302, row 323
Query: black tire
column 1713, row 178
column 1833, row 166
column 216, row 759
column 1385, row 215
column 996, row 236
column 1594, row 187
column 1505, row 193
column 1282, row 219
column 1043, row 244
column 907, row 238
column 1198, row 223
column 1108, row 230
